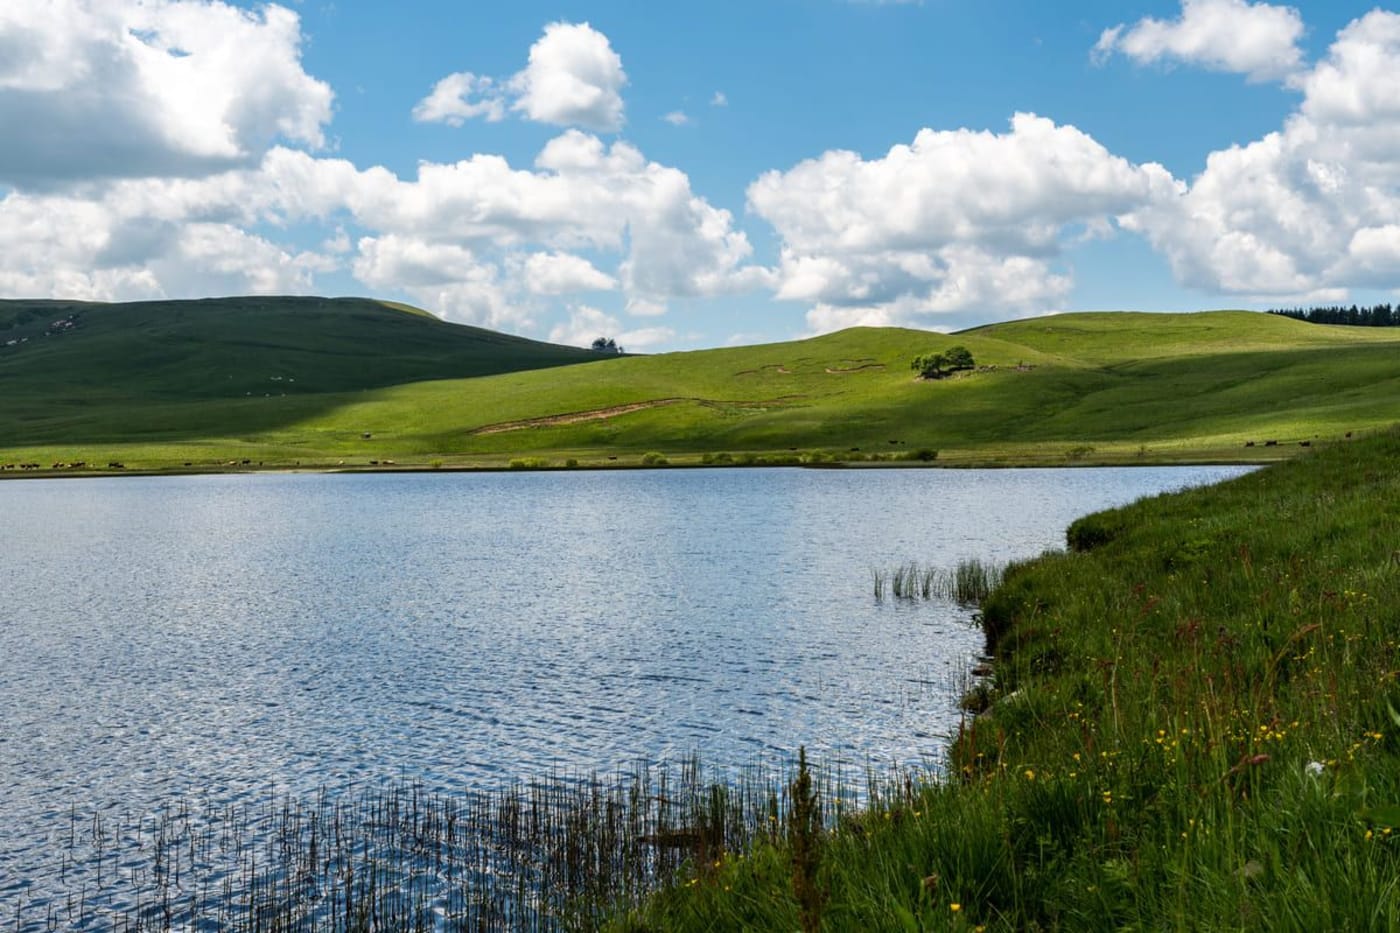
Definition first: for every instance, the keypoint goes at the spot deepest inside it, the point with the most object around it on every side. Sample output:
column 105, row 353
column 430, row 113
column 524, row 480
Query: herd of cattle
column 1275, row 443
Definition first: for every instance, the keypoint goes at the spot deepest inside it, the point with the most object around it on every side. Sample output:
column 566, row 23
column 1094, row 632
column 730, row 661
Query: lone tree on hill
column 938, row 365
column 606, row 345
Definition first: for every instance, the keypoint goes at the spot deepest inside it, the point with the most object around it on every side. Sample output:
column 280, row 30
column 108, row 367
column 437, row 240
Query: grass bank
column 283, row 383
column 1193, row 723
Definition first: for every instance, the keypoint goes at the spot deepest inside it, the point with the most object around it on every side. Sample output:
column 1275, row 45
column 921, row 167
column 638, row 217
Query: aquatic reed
column 552, row 853
column 966, row 584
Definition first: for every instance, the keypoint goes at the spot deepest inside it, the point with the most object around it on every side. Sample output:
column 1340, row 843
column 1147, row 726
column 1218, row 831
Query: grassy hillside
column 210, row 382
column 78, row 373
column 1193, row 723
column 233, row 347
column 1211, row 380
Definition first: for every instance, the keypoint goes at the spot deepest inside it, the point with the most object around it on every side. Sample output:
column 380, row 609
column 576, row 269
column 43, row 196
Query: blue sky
column 694, row 175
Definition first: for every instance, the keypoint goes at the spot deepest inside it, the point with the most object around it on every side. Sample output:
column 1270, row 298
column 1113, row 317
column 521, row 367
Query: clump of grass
column 966, row 584
column 804, row 840
column 654, row 458
column 973, row 580
column 529, row 463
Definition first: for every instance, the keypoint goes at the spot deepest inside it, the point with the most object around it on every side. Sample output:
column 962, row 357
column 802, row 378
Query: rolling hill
column 232, row 347
column 303, row 381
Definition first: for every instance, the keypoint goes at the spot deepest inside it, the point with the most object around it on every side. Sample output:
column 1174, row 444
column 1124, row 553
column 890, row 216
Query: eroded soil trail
column 613, row 411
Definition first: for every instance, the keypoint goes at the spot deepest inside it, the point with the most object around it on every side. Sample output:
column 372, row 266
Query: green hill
column 77, row 373
column 233, row 347
column 163, row 383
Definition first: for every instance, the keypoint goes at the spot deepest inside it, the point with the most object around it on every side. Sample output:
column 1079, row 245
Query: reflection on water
column 237, row 637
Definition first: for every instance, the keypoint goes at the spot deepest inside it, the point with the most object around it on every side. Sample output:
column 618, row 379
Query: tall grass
column 967, row 584
column 1192, row 726
column 549, row 854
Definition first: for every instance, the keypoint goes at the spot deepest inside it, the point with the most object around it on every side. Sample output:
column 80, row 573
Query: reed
column 967, row 583
column 561, row 852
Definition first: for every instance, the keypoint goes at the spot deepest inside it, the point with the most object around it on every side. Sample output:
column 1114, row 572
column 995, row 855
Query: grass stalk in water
column 563, row 852
column 967, row 584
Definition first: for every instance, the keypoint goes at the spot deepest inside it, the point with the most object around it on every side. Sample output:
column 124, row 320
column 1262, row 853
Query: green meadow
column 1193, row 723
column 285, row 382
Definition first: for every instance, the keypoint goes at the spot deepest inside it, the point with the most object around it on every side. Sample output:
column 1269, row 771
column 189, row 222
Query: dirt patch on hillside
column 613, row 411
column 841, row 368
column 778, row 368
column 575, row 417
column 855, row 366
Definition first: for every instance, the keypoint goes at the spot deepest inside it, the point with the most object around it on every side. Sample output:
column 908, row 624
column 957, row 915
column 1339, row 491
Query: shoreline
column 1190, row 721
column 971, row 463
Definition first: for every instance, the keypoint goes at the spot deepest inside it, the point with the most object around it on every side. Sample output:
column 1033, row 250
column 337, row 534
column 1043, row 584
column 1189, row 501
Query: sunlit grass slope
column 1193, row 723
column 1177, row 385
column 1083, row 388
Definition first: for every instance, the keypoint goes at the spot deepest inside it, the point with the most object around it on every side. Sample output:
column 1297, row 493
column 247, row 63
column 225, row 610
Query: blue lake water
column 237, row 637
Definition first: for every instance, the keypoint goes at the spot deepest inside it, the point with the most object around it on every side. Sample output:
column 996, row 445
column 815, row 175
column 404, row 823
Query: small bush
column 653, row 458
column 1091, row 531
column 571, row 462
column 529, row 463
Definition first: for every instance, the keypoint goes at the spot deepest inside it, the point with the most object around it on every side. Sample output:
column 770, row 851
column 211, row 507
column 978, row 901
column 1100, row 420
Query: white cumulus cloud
column 1309, row 209
column 1255, row 39
column 562, row 274
column 126, row 88
column 573, row 78
column 146, row 238
column 957, row 220
column 451, row 100
column 581, row 194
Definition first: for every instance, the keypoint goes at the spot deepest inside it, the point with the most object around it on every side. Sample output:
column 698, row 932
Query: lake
column 247, row 636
